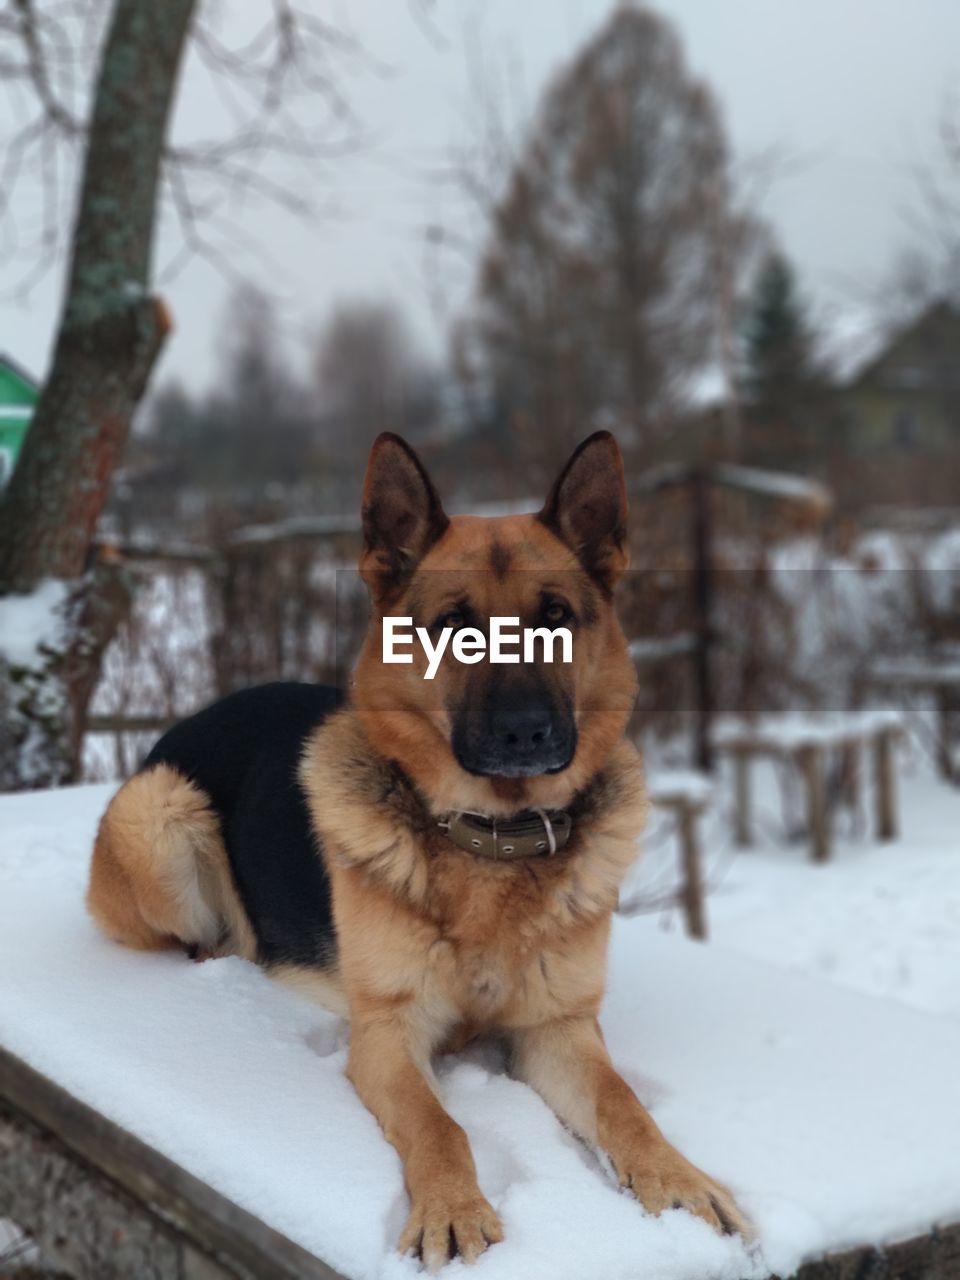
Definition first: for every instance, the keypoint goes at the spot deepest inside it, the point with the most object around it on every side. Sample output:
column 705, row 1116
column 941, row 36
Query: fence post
column 703, row 610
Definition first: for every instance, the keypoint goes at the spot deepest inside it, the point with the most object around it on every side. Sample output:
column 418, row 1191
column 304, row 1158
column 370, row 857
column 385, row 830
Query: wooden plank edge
column 235, row 1238
column 214, row 1225
column 933, row 1256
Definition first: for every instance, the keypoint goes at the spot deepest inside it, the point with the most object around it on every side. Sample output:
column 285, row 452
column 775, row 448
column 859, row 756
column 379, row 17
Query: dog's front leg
column 567, row 1063
column 448, row 1212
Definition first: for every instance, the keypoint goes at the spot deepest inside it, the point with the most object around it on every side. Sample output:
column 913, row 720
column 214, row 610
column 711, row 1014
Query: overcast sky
column 851, row 90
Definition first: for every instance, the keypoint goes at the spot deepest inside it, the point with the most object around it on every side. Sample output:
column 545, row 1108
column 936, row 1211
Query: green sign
column 18, row 395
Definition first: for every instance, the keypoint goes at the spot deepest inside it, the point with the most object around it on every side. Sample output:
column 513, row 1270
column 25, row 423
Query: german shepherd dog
column 436, row 859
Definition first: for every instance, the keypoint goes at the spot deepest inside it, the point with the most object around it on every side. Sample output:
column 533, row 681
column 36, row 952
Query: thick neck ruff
column 370, row 818
column 534, row 833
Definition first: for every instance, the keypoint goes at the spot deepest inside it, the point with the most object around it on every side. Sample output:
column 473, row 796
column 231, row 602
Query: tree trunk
column 111, row 330
column 110, row 334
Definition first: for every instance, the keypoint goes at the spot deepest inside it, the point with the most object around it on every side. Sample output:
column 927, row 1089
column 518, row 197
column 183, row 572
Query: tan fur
column 320, row 986
column 567, row 1063
column 160, row 876
column 408, row 718
column 389, row 1068
column 436, row 947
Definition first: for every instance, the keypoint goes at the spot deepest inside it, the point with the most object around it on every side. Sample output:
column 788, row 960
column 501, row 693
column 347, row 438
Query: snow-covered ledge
column 828, row 1111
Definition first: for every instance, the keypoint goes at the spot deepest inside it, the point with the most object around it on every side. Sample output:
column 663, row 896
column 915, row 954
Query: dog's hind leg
column 160, row 876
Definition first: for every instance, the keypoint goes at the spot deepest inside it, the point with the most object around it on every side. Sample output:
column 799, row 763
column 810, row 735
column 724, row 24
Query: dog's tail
column 160, row 876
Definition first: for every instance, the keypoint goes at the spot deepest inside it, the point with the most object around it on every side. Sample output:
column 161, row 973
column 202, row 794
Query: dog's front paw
column 661, row 1178
column 441, row 1227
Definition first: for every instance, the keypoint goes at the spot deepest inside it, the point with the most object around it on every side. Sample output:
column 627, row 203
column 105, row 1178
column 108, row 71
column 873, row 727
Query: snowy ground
column 879, row 918
column 822, row 1095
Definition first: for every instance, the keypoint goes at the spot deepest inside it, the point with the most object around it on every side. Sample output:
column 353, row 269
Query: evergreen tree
column 780, row 367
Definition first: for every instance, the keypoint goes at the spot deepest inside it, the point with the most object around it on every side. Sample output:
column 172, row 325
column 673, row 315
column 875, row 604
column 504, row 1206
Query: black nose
column 514, row 733
column 522, row 727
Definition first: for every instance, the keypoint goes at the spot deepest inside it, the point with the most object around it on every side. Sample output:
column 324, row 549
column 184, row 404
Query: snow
column 789, row 731
column 924, row 673
column 326, row 526
column 16, row 1247
column 708, row 388
column 822, row 1106
column 141, row 548
column 665, row 785
column 774, row 484
column 879, row 918
column 660, row 648
column 31, row 623
column 855, row 339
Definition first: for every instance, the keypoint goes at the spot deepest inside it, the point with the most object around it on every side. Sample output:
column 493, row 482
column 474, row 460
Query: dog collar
column 533, row 833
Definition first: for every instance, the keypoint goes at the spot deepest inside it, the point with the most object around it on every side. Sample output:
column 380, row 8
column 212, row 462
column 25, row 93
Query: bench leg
column 886, row 786
column 692, row 877
column 810, row 760
column 851, row 774
column 742, row 799
column 944, row 734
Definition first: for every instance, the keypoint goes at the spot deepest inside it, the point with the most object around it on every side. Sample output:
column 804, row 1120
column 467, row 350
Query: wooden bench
column 806, row 742
column 939, row 679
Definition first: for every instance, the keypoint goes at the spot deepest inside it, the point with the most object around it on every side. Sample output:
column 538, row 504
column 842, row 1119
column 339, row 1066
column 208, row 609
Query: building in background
column 907, row 397
column 882, row 432
column 18, row 396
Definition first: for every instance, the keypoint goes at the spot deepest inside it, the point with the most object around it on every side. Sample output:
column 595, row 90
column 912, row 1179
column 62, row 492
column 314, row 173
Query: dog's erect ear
column 402, row 515
column 587, row 508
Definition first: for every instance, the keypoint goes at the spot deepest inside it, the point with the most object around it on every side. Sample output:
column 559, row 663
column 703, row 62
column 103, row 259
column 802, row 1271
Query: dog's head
column 479, row 735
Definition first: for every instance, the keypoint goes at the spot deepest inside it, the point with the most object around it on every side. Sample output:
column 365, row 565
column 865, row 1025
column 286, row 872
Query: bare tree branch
column 282, row 88
column 44, row 41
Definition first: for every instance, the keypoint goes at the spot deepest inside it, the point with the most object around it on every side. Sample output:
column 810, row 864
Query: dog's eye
column 556, row 612
column 454, row 618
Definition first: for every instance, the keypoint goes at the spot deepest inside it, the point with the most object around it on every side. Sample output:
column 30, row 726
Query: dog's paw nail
column 673, row 1183
column 438, row 1234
